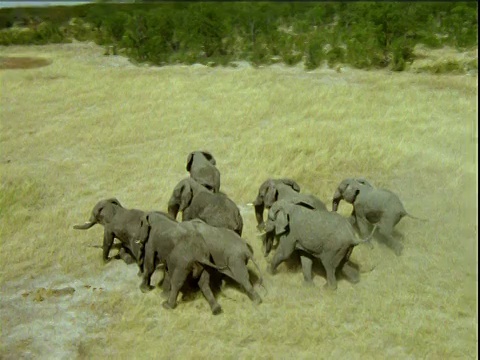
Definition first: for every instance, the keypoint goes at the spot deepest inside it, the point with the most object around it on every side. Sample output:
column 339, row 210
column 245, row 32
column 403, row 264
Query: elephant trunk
column 336, row 200
column 259, row 215
column 173, row 210
column 87, row 225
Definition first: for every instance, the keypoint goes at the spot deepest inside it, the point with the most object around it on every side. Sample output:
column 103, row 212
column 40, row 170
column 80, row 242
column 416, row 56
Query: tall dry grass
column 89, row 127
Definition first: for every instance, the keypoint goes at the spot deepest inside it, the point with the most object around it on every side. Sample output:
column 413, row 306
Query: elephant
column 373, row 206
column 338, row 196
column 201, row 166
column 119, row 223
column 315, row 234
column 273, row 190
column 178, row 246
column 195, row 201
column 183, row 247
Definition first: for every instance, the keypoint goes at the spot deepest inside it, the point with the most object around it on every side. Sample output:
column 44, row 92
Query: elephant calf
column 273, row 190
column 185, row 247
column 372, row 206
column 196, row 202
column 119, row 223
column 316, row 234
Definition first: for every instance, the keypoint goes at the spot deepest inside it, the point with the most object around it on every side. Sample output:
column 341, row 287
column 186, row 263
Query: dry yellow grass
column 88, row 127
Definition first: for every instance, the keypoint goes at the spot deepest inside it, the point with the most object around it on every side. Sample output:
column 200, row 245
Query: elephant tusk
column 249, row 204
column 262, row 234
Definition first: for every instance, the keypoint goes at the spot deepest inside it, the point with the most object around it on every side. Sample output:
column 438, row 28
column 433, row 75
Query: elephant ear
column 209, row 157
column 271, row 195
column 281, row 221
column 351, row 192
column 190, row 160
column 292, row 183
column 186, row 195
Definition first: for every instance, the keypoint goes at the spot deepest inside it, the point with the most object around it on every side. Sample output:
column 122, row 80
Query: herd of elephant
column 208, row 239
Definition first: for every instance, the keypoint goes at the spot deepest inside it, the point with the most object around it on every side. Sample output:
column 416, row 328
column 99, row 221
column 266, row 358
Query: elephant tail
column 368, row 238
column 416, row 218
column 250, row 257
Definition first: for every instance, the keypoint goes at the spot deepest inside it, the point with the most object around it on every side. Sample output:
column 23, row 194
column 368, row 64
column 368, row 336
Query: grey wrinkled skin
column 181, row 249
column 273, row 190
column 373, row 206
column 187, row 246
column 325, row 235
column 202, row 168
column 197, row 202
column 118, row 222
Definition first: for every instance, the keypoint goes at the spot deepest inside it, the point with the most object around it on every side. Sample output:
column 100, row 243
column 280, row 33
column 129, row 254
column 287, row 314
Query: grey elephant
column 373, row 206
column 338, row 196
column 196, row 202
column 119, row 223
column 202, row 168
column 325, row 235
column 273, row 190
column 181, row 249
column 229, row 254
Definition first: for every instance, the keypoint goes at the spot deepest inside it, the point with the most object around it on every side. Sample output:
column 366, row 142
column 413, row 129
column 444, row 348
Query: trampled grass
column 89, row 127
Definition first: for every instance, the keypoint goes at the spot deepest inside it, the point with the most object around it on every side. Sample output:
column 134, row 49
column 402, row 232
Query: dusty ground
column 88, row 127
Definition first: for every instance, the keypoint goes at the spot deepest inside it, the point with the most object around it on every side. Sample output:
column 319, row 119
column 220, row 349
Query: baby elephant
column 119, row 223
column 185, row 248
column 201, row 166
column 196, row 202
column 372, row 206
column 316, row 234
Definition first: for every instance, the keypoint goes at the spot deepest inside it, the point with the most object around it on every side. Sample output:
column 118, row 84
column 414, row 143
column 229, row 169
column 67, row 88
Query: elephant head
column 102, row 213
column 201, row 166
column 268, row 195
column 200, row 154
column 342, row 188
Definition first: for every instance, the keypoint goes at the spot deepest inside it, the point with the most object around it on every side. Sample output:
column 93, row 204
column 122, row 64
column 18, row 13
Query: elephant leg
column 204, row 283
column 285, row 249
column 107, row 245
column 350, row 272
column 148, row 270
column 166, row 283
column 363, row 227
column 240, row 274
column 385, row 230
column 125, row 256
column 307, row 263
column 179, row 275
column 328, row 260
column 268, row 243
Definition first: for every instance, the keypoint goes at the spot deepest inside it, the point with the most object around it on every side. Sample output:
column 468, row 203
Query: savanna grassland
column 88, row 127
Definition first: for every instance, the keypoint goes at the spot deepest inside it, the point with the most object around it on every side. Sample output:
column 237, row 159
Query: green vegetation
column 361, row 34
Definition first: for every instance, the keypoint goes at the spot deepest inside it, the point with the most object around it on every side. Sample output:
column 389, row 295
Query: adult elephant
column 163, row 240
column 118, row 222
column 373, row 206
column 315, row 234
column 273, row 190
column 202, row 168
column 196, row 202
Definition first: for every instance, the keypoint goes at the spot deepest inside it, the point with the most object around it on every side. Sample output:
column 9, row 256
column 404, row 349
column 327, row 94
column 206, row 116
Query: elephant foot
column 330, row 287
column 146, row 288
column 398, row 250
column 257, row 300
column 271, row 269
column 139, row 273
column 167, row 306
column 309, row 283
column 216, row 309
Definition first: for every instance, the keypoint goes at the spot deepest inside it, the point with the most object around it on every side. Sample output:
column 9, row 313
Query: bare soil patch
column 23, row 62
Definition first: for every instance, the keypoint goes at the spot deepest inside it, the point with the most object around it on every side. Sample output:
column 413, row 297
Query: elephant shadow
column 293, row 264
column 191, row 290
